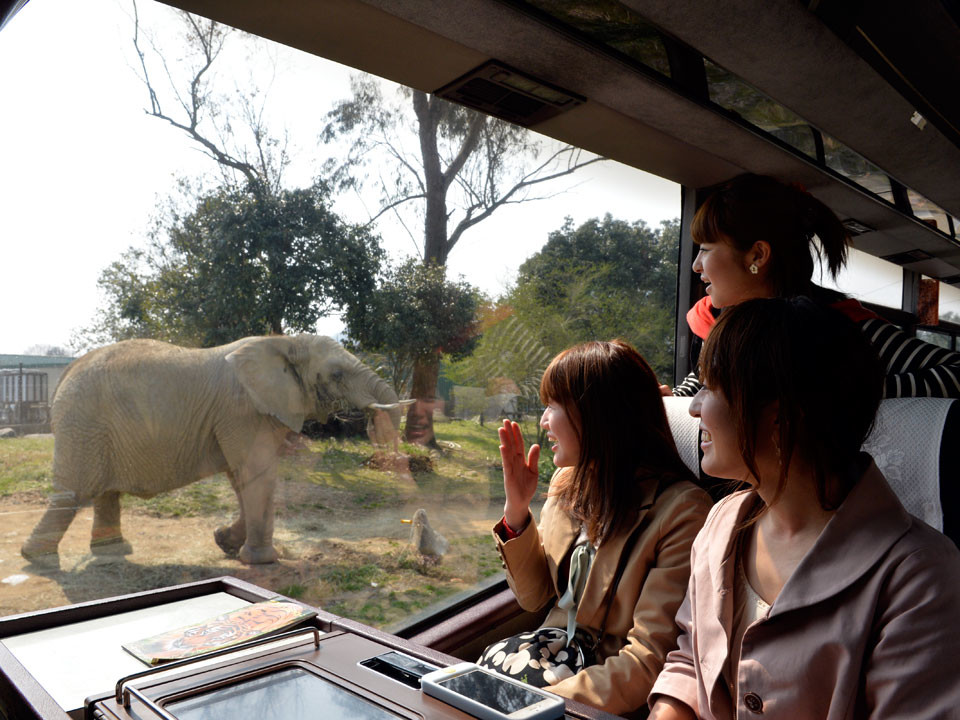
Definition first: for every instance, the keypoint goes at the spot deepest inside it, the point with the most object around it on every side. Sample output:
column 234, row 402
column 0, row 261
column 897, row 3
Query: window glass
column 734, row 94
column 144, row 235
column 867, row 278
column 614, row 25
column 928, row 212
column 933, row 337
column 854, row 166
column 950, row 303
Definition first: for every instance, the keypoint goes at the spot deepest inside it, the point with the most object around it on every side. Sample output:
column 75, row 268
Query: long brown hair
column 752, row 207
column 817, row 365
column 613, row 399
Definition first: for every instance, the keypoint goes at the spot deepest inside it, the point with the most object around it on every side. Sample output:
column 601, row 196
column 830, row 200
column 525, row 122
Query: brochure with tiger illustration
column 232, row 628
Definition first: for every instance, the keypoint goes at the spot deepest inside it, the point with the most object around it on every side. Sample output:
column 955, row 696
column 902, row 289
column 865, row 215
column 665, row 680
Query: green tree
column 604, row 279
column 242, row 262
column 415, row 316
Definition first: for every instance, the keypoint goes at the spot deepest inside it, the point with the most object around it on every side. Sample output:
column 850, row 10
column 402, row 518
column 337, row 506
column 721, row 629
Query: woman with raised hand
column 755, row 237
column 612, row 550
column 813, row 593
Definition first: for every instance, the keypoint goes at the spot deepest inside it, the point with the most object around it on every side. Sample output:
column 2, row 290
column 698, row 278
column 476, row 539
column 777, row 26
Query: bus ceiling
column 865, row 79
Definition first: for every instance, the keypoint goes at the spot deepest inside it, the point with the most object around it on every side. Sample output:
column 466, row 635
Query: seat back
column 685, row 429
column 915, row 443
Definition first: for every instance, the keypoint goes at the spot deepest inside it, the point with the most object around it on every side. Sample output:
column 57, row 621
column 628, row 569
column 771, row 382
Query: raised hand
column 520, row 474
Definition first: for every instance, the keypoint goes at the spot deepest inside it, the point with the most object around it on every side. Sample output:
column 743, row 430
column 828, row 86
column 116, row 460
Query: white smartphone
column 489, row 695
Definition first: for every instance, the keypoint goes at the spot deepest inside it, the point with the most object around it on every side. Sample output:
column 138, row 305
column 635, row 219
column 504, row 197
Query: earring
column 754, row 269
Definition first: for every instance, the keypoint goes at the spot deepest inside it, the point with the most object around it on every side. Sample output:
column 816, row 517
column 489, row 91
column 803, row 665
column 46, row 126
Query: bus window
column 949, row 305
column 154, row 238
column 869, row 279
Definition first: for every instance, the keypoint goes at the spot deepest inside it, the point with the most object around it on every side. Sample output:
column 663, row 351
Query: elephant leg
column 45, row 538
column 253, row 473
column 106, row 537
column 256, row 502
column 230, row 538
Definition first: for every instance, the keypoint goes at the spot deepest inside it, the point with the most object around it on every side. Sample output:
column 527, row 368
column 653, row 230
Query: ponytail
column 821, row 221
column 750, row 208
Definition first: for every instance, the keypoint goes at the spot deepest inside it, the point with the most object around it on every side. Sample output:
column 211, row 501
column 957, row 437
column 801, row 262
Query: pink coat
column 868, row 626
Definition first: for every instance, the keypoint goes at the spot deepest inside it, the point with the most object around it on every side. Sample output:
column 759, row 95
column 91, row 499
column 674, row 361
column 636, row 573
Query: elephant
column 144, row 417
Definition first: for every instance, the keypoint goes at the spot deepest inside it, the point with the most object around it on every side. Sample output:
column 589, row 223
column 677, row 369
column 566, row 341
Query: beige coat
column 868, row 625
column 640, row 628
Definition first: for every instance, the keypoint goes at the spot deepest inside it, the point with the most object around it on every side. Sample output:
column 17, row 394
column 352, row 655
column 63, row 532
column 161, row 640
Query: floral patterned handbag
column 541, row 657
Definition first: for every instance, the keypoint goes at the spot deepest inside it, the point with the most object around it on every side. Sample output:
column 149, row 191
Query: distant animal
column 143, row 417
column 430, row 544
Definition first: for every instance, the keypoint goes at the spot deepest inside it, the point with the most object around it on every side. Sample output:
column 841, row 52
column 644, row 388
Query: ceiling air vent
column 905, row 258
column 501, row 91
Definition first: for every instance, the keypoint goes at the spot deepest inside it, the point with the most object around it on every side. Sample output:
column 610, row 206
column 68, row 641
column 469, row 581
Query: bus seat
column 685, row 429
column 915, row 443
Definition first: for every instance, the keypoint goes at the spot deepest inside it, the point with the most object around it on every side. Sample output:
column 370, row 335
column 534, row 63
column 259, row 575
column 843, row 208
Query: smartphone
column 489, row 695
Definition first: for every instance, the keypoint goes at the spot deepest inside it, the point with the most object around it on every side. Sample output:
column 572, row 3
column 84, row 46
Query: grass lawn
column 25, row 465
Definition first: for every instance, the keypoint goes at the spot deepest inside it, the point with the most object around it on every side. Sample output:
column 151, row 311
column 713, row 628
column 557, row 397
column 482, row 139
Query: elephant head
column 308, row 376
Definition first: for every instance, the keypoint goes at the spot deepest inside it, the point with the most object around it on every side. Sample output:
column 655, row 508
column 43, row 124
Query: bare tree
column 455, row 167
column 47, row 350
column 185, row 94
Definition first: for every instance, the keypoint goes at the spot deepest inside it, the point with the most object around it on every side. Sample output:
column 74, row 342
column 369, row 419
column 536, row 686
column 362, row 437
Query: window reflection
column 614, row 25
column 928, row 212
column 733, row 94
column 936, row 338
column 291, row 694
column 852, row 165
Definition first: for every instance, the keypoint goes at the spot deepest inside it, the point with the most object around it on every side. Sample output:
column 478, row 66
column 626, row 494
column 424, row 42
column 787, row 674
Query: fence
column 23, row 399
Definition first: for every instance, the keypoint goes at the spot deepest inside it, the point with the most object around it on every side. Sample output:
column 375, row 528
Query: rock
column 7, row 432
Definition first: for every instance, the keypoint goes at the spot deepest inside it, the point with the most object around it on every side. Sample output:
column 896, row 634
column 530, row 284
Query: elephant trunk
column 384, row 395
column 386, row 405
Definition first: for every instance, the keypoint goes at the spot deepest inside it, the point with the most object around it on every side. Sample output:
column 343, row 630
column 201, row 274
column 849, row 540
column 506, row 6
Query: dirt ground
column 168, row 551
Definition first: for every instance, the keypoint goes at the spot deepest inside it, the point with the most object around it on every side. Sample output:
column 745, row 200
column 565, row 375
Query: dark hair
column 817, row 365
column 613, row 399
column 757, row 207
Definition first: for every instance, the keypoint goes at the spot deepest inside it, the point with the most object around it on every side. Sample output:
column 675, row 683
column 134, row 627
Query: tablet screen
column 289, row 694
column 501, row 695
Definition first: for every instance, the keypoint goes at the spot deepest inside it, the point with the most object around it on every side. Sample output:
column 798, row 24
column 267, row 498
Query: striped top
column 913, row 368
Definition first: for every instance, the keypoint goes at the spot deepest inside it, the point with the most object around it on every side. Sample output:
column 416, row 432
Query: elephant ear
column 266, row 369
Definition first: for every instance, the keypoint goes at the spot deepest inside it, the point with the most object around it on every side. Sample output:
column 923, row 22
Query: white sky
column 83, row 168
